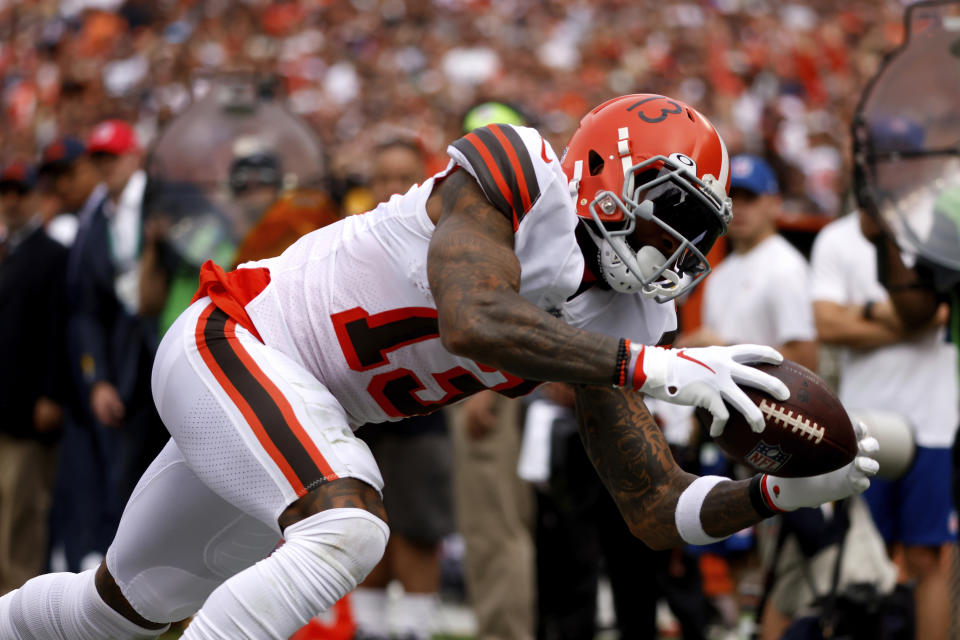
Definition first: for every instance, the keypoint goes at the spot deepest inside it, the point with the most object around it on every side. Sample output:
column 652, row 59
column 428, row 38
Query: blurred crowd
column 778, row 78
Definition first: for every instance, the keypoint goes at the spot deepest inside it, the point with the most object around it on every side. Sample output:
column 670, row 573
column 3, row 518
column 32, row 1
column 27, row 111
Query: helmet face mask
column 650, row 177
column 676, row 206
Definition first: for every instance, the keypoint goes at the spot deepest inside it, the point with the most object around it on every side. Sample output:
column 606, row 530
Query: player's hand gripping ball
column 808, row 434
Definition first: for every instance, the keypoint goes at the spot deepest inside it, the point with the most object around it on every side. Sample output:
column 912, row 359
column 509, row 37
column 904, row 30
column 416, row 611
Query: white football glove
column 706, row 377
column 787, row 494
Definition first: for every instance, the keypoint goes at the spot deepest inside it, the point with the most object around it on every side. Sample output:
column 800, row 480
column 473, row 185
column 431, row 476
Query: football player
column 509, row 268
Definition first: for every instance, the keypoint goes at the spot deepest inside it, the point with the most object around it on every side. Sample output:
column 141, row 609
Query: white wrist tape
column 688, row 510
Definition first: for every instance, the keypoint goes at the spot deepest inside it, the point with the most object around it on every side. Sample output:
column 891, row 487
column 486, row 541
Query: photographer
column 830, row 577
column 907, row 181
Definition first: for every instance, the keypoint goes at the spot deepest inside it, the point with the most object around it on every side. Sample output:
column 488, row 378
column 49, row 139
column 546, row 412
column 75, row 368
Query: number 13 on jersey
column 366, row 341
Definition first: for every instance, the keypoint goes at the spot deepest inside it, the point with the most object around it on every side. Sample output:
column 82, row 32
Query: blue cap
column 897, row 133
column 18, row 173
column 61, row 153
column 753, row 174
column 177, row 32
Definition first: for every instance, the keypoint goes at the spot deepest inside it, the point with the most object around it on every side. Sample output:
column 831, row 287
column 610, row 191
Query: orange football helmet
column 650, row 176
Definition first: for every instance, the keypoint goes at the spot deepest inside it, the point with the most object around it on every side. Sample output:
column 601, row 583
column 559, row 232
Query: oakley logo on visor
column 685, row 162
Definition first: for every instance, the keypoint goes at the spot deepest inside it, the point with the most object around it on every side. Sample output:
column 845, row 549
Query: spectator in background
column 32, row 374
column 765, row 274
column 415, row 460
column 244, row 226
column 255, row 180
column 495, row 516
column 167, row 278
column 82, row 472
column 826, row 552
column 884, row 365
column 115, row 151
column 495, row 508
column 56, row 175
column 110, row 347
column 170, row 261
column 61, row 225
column 580, row 536
column 398, row 164
column 296, row 213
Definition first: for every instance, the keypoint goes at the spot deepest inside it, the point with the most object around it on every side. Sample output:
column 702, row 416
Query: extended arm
column 667, row 507
column 637, row 468
column 914, row 299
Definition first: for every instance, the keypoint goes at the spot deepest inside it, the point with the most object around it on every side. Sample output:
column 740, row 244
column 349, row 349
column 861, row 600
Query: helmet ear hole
column 595, row 163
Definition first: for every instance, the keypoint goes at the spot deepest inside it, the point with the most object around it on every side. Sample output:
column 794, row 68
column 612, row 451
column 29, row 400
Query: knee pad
column 323, row 558
column 352, row 539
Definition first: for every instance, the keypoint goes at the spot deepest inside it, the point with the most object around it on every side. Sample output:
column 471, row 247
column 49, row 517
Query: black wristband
column 756, row 498
column 867, row 310
column 623, row 358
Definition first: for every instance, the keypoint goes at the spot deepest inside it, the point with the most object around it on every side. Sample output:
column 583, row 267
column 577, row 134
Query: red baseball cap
column 112, row 136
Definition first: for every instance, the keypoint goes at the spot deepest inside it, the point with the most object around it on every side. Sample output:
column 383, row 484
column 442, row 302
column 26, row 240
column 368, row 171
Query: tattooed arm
column 637, row 468
column 475, row 278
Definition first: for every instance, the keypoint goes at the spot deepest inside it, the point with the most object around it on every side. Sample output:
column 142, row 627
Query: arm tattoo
column 474, row 276
column 637, row 468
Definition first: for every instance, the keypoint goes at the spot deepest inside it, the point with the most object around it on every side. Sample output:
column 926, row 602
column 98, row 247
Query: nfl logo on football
column 765, row 457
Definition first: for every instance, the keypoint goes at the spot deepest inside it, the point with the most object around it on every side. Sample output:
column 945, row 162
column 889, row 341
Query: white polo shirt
column 917, row 377
column 761, row 296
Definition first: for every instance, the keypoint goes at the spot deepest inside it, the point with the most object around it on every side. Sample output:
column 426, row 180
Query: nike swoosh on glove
column 707, row 376
column 787, row 494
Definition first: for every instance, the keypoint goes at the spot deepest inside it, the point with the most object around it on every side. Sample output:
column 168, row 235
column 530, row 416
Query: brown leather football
column 807, row 434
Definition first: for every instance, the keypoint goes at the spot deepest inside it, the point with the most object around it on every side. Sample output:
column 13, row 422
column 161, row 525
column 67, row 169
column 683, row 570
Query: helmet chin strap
column 619, row 265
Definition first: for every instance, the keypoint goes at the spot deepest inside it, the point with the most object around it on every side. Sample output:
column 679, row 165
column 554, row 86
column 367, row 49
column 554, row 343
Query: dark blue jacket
column 32, row 321
column 106, row 342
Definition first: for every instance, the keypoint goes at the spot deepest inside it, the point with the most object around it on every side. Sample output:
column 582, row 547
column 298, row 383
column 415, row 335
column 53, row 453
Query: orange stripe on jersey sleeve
column 516, row 166
column 494, row 170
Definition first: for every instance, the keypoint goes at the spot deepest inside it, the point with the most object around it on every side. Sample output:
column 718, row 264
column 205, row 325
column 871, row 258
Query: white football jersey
column 351, row 301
